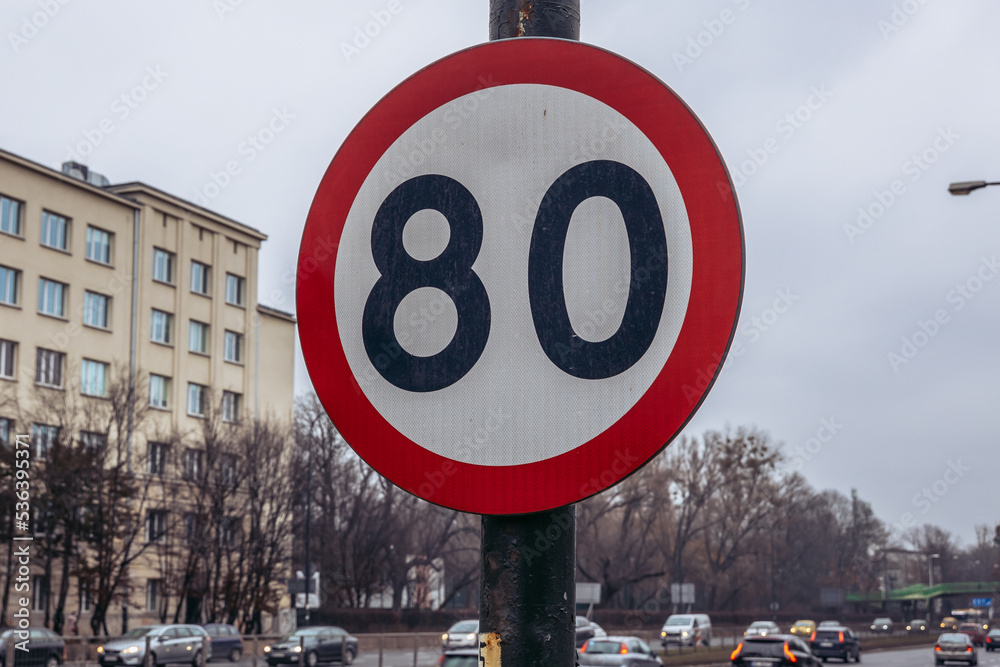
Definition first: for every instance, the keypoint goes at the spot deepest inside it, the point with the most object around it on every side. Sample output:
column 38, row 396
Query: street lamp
column 930, row 569
column 965, row 187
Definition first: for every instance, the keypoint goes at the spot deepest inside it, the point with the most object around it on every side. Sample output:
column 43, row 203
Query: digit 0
column 648, row 270
column 451, row 272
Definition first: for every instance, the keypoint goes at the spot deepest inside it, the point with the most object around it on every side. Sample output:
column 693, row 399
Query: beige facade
column 100, row 280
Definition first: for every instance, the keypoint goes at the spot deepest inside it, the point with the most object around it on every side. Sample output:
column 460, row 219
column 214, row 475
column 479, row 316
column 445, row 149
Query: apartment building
column 103, row 283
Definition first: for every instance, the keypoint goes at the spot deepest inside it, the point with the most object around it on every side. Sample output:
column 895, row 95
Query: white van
column 686, row 630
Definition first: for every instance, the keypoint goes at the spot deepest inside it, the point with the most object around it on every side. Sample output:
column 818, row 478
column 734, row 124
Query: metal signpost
column 518, row 280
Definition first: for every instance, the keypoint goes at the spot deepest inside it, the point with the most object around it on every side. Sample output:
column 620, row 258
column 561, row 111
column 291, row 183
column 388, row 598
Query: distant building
column 101, row 284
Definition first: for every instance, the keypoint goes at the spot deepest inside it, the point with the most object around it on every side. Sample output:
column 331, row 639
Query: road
column 390, row 658
column 918, row 657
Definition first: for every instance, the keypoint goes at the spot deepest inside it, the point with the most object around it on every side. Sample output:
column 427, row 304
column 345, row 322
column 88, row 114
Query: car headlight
column 131, row 649
column 296, row 649
column 444, row 637
column 100, row 649
column 907, row 627
column 684, row 634
column 470, row 637
column 267, row 649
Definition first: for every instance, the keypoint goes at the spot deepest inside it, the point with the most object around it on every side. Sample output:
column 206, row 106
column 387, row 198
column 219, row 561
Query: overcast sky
column 885, row 350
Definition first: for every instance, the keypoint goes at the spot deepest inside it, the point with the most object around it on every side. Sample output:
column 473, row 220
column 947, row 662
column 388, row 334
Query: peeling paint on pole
column 489, row 649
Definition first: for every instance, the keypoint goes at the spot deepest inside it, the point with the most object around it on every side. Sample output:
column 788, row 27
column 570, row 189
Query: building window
column 163, row 266
column 55, row 231
column 96, row 311
column 196, row 399
column 10, row 216
column 98, row 245
column 227, row 469
column 156, row 458
column 94, row 378
column 234, row 289
column 8, row 356
column 43, row 436
column 85, row 601
column 40, row 592
column 191, row 527
column 233, row 347
column 152, row 594
column 230, row 533
column 93, row 442
column 9, row 281
column 6, row 428
column 52, row 297
column 230, row 406
column 199, row 278
column 49, row 367
column 160, row 326
column 159, row 391
column 198, row 337
column 156, row 526
column 194, row 464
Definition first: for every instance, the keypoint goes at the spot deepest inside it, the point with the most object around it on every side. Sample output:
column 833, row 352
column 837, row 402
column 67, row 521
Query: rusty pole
column 527, row 598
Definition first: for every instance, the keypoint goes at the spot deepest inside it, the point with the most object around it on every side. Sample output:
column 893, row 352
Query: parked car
column 993, row 640
column 616, row 650
column 587, row 629
column 955, row 646
column 460, row 657
column 762, row 628
column 835, row 642
column 975, row 631
column 226, row 641
column 882, row 625
column 167, row 644
column 918, row 626
column 321, row 643
column 686, row 630
column 949, row 624
column 45, row 648
column 464, row 634
column 803, row 628
column 773, row 651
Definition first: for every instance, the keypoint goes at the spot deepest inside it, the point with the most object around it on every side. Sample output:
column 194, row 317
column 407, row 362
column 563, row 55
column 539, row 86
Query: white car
column 464, row 634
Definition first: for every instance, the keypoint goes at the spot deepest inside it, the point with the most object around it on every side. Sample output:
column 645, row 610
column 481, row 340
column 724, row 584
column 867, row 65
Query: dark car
column 918, row 626
column 616, row 650
column 774, row 651
column 993, row 640
column 460, row 657
column 587, row 629
column 226, row 641
column 882, row 625
column 956, row 647
column 835, row 642
column 976, row 632
column 45, row 648
column 322, row 644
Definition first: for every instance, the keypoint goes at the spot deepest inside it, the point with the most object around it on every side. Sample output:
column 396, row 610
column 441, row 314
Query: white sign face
column 536, row 278
column 514, row 406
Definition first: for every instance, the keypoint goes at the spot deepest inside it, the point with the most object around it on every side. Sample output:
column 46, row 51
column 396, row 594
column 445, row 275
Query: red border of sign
column 705, row 336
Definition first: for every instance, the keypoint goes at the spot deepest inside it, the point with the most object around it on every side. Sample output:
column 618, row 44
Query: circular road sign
column 520, row 276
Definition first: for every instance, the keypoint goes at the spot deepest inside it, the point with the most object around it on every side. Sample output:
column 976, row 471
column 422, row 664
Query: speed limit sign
column 520, row 276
